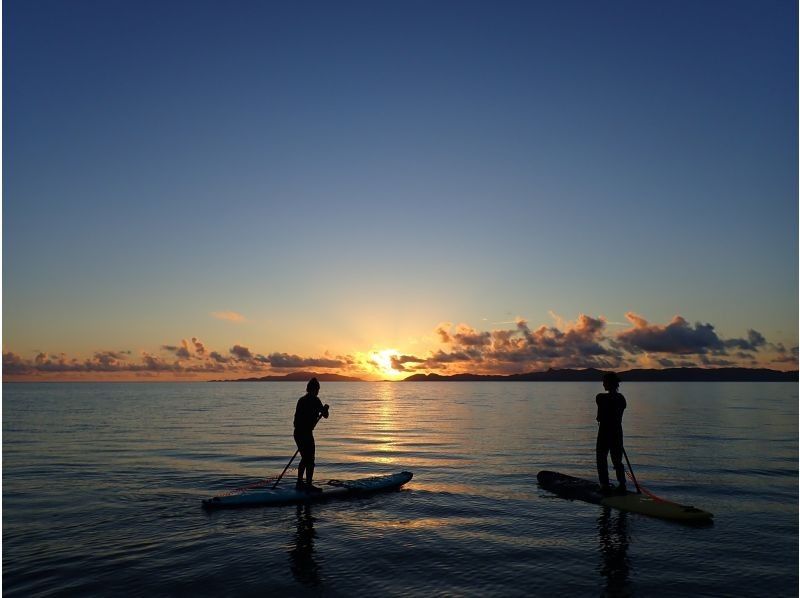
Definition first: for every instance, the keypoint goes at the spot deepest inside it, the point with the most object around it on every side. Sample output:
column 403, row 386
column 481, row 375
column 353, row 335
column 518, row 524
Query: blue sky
column 346, row 176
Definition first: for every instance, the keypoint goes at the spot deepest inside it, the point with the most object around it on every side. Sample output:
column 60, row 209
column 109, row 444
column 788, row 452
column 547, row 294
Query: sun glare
column 381, row 361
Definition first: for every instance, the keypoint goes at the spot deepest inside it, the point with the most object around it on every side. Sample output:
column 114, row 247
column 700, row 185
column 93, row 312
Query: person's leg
column 301, row 467
column 310, row 454
column 602, row 461
column 310, row 474
column 616, row 459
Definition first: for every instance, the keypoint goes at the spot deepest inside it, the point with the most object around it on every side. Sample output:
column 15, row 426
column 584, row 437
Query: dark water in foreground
column 102, row 486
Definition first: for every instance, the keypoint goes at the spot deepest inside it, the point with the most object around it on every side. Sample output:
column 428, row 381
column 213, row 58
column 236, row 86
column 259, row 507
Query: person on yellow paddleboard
column 610, row 406
column 306, row 415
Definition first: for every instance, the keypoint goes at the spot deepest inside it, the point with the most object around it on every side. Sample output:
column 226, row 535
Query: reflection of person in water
column 615, row 566
column 301, row 556
column 309, row 409
column 610, row 406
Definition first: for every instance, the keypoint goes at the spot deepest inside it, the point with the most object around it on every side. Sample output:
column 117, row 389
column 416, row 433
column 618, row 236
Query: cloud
column 443, row 330
column 285, row 360
column 710, row 361
column 681, row 338
column 14, row 365
column 467, row 336
column 218, row 358
column 398, row 362
column 199, row 347
column 230, row 316
column 577, row 344
column 110, row 359
column 559, row 321
column 671, row 363
column 100, row 362
column 753, row 342
column 435, row 361
column 464, row 336
column 784, row 355
column 194, row 349
column 241, row 353
column 183, row 352
column 189, row 357
column 154, row 363
column 583, row 343
column 678, row 337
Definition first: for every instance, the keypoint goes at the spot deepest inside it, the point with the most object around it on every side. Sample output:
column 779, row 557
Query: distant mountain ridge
column 565, row 375
column 635, row 375
column 297, row 377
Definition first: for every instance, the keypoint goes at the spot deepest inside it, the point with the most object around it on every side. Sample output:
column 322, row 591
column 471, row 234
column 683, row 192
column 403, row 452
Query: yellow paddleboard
column 571, row 487
column 663, row 509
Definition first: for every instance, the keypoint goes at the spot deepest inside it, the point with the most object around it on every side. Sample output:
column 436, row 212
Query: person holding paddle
column 610, row 406
column 306, row 415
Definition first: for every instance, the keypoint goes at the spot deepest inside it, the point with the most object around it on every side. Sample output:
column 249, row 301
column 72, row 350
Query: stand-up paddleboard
column 250, row 497
column 575, row 488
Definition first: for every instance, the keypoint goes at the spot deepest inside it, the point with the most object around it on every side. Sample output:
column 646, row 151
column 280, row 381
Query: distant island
column 566, row 375
column 636, row 375
column 297, row 377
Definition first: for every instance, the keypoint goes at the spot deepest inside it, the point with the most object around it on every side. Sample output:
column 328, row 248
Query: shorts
column 305, row 443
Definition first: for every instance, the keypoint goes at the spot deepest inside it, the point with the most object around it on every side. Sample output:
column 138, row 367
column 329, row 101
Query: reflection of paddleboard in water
column 570, row 487
column 331, row 489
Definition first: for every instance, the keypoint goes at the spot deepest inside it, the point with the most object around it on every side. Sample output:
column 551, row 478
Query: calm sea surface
column 102, row 486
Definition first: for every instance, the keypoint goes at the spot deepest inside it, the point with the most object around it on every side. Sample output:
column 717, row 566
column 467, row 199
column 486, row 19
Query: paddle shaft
column 628, row 461
column 319, row 417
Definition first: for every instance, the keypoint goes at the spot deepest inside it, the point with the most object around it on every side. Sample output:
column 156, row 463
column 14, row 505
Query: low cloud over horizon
column 584, row 343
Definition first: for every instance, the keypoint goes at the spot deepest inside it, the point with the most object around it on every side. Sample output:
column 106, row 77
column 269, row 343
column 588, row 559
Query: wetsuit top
column 609, row 411
column 305, row 416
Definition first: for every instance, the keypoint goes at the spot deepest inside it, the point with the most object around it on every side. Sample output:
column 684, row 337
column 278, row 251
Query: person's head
column 610, row 381
column 312, row 387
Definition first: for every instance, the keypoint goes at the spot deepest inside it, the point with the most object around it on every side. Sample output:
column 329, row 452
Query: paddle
column 319, row 417
column 628, row 461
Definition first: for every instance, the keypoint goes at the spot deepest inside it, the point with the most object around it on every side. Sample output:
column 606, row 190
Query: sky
column 199, row 190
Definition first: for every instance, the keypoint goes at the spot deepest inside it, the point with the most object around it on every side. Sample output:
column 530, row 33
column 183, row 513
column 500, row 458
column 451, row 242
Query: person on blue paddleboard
column 610, row 406
column 306, row 415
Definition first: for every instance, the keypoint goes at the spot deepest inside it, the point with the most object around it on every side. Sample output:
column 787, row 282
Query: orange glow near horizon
column 380, row 363
column 446, row 350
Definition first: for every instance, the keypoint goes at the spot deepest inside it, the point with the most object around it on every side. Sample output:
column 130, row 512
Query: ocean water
column 102, row 486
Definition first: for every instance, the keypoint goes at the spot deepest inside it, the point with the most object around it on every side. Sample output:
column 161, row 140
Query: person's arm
column 597, row 400
column 297, row 415
column 323, row 410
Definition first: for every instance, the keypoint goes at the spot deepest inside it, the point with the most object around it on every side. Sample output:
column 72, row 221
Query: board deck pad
column 574, row 488
column 288, row 494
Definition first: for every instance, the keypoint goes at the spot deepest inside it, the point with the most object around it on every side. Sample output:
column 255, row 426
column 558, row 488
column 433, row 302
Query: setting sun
column 381, row 361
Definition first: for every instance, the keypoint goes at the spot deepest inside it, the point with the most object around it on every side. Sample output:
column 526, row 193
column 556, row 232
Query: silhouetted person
column 306, row 415
column 610, row 406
